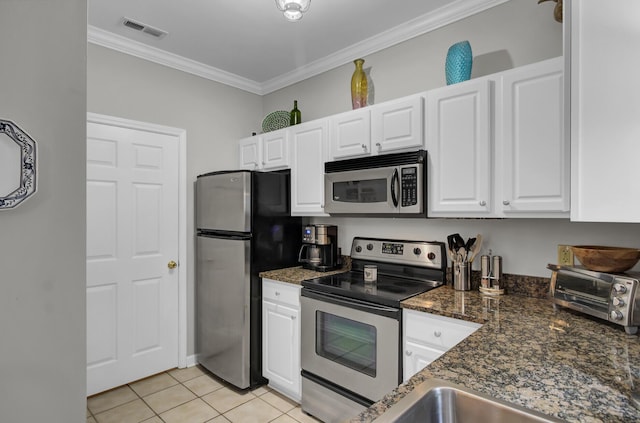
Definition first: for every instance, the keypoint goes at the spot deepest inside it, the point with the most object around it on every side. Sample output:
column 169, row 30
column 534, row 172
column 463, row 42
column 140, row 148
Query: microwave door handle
column 394, row 181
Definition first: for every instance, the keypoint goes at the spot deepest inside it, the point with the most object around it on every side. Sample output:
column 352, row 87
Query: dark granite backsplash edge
column 522, row 285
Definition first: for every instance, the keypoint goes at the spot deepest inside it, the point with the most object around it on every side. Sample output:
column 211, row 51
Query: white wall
column 513, row 34
column 526, row 245
column 214, row 115
column 42, row 242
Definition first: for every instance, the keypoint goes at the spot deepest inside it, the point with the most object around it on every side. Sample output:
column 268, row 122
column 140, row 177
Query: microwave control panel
column 409, row 196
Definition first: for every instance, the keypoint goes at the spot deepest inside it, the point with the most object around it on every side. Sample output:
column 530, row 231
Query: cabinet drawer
column 438, row 331
column 281, row 292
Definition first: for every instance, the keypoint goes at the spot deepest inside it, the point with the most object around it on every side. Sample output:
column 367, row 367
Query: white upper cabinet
column 379, row 129
column 497, row 145
column 458, row 140
column 397, row 125
column 602, row 60
column 533, row 157
column 265, row 152
column 350, row 134
column 308, row 154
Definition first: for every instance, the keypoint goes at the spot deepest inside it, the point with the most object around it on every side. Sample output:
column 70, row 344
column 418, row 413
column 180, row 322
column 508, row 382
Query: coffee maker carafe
column 319, row 249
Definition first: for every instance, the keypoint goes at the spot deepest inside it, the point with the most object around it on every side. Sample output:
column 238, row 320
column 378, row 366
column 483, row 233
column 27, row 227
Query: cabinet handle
column 277, row 294
column 506, row 202
column 379, row 146
column 293, row 317
column 437, row 333
column 408, row 353
column 364, row 147
column 483, row 203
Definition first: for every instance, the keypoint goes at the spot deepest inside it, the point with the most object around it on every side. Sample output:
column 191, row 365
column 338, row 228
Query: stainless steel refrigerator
column 244, row 226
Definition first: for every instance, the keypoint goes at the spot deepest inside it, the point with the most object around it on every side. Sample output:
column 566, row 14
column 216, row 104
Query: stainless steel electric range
column 352, row 324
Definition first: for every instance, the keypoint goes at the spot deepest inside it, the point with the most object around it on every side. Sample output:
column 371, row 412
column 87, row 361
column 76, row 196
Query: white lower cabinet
column 281, row 337
column 427, row 336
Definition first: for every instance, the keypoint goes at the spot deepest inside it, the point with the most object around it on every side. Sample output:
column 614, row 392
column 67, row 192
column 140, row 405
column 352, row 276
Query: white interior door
column 132, row 240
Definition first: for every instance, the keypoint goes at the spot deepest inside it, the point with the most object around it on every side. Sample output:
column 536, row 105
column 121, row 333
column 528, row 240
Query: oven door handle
column 395, row 180
column 380, row 310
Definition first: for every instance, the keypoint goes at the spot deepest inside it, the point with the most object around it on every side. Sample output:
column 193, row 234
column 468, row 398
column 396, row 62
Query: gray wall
column 42, row 248
column 214, row 115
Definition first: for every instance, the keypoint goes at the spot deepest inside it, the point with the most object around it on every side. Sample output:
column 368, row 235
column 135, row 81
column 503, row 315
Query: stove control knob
column 618, row 302
column 358, row 249
column 369, row 247
column 417, row 251
column 616, row 315
column 619, row 288
column 431, row 256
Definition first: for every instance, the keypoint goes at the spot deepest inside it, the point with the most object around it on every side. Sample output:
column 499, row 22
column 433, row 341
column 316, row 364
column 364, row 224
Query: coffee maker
column 319, row 249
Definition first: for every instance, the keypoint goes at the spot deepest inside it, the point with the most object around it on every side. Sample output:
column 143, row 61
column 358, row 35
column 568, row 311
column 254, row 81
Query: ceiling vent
column 147, row 29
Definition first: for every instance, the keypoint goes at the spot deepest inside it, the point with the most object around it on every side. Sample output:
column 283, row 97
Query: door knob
column 172, row 264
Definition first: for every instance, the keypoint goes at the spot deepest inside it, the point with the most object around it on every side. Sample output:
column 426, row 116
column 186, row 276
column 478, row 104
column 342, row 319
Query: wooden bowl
column 606, row 259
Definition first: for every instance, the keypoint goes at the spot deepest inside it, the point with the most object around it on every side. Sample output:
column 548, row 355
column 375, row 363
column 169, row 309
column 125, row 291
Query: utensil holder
column 461, row 276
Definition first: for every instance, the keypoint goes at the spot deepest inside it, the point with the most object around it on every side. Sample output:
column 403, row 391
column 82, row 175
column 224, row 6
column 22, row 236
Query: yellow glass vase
column 358, row 86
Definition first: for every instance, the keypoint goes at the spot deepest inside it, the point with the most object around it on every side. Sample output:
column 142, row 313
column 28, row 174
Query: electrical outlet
column 565, row 255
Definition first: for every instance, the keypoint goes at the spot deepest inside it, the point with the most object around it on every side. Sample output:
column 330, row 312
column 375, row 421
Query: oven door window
column 346, row 342
column 593, row 292
column 363, row 191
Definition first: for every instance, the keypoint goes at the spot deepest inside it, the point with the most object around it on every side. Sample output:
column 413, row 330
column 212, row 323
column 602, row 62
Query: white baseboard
column 192, row 360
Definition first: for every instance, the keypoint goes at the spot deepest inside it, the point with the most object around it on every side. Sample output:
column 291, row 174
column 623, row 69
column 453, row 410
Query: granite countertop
column 556, row 362
column 295, row 275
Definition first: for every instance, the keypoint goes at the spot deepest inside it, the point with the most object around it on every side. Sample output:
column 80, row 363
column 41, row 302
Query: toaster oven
column 614, row 297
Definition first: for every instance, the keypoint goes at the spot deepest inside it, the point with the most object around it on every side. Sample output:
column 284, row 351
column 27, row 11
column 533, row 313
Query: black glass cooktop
column 387, row 290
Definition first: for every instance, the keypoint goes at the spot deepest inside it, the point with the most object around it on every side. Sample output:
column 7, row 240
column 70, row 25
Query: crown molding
column 453, row 12
column 143, row 51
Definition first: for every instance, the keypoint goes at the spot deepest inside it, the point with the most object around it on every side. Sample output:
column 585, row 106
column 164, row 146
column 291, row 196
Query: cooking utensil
column 469, row 244
column 606, row 259
column 475, row 248
column 451, row 242
column 462, row 254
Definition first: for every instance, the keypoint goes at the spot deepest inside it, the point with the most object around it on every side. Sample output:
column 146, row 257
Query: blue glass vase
column 459, row 60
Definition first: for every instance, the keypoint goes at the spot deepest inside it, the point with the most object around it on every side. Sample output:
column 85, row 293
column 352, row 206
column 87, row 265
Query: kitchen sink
column 438, row 401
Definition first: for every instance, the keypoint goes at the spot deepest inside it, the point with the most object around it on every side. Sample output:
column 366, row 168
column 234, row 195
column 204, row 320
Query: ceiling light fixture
column 293, row 9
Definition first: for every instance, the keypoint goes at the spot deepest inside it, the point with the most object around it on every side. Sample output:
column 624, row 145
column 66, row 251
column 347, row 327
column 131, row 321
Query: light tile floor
column 191, row 395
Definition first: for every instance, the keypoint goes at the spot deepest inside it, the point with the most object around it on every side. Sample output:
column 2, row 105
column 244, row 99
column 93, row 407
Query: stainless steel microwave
column 384, row 185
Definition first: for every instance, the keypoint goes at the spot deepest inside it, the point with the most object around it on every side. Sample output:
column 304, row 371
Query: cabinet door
column 417, row 357
column 397, row 125
column 275, row 150
column 350, row 134
column 249, row 153
column 532, row 151
column 605, row 128
column 459, row 144
column 281, row 348
column 308, row 154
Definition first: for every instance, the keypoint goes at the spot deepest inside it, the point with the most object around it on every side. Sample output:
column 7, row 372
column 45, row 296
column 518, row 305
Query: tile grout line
column 221, row 382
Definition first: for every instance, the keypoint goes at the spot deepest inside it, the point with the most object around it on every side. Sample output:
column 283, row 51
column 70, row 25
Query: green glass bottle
column 296, row 116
